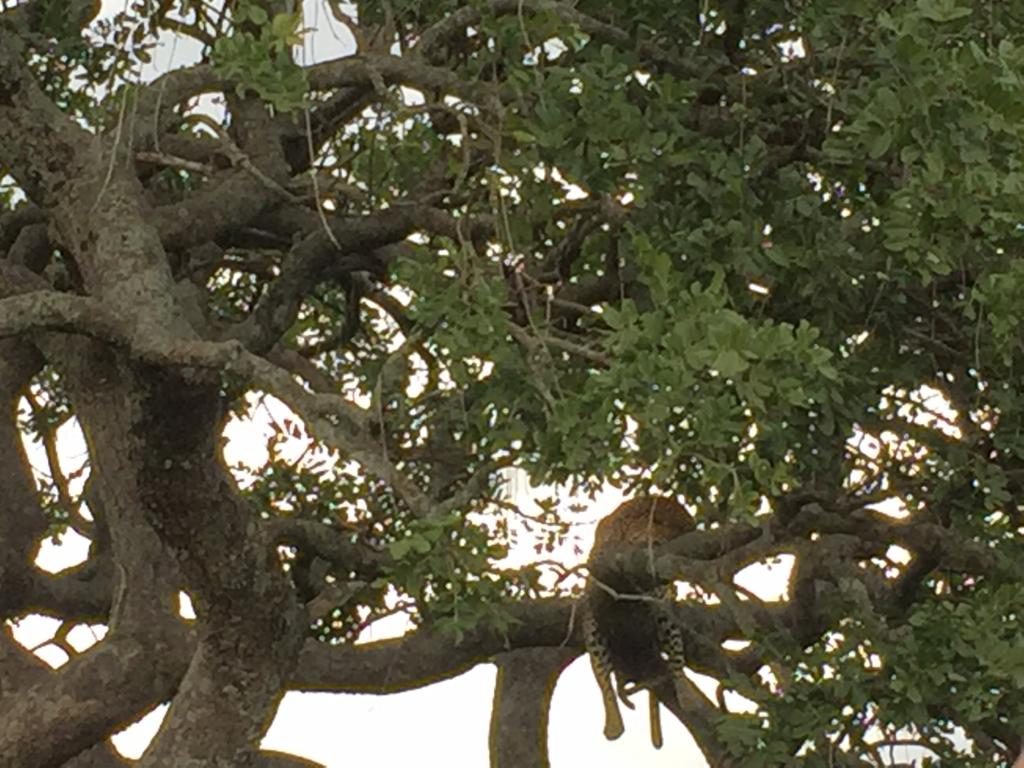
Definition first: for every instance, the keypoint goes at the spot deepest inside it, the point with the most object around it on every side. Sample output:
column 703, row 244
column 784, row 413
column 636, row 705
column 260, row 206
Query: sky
column 449, row 718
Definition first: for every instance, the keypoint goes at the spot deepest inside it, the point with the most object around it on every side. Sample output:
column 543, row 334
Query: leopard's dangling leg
column 655, row 715
column 628, row 689
column 673, row 648
column 600, row 663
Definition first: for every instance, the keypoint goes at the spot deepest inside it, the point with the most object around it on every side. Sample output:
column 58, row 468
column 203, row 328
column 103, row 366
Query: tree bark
column 522, row 701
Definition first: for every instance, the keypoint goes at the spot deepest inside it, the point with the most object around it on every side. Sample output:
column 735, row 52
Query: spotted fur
column 628, row 629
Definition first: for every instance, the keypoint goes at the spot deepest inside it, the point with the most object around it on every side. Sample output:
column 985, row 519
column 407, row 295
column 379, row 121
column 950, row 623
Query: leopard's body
column 628, row 628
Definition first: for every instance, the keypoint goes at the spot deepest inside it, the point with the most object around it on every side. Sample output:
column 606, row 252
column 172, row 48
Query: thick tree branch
column 35, row 136
column 427, row 656
column 139, row 662
column 103, row 756
column 12, row 222
column 52, row 311
column 332, row 417
column 377, row 70
column 522, row 700
column 310, row 262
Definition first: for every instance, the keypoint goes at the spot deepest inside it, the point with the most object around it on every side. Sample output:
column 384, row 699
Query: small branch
column 381, row 70
column 188, row 30
column 238, row 157
column 331, row 543
column 170, row 161
column 432, row 39
column 578, row 350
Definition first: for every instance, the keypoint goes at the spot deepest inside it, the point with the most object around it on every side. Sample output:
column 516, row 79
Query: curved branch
column 157, row 101
column 45, row 310
column 376, row 70
column 522, row 700
column 426, row 656
column 12, row 222
column 102, row 756
column 307, row 265
column 108, row 688
column 329, row 543
column 431, row 40
column 23, row 108
column 81, row 593
column 334, row 418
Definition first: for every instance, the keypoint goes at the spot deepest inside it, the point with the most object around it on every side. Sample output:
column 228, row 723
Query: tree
column 758, row 256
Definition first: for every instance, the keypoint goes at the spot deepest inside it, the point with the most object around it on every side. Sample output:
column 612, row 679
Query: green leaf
column 943, row 10
column 255, row 13
column 285, row 27
column 879, row 144
column 400, row 548
column 730, row 363
column 420, row 544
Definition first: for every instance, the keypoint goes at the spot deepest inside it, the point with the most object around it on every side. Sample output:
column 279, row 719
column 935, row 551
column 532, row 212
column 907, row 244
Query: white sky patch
column 767, row 580
column 8, row 184
column 709, row 686
column 736, row 645
column 925, row 406
column 629, row 435
column 758, row 288
column 70, row 549
column 33, row 630
column 898, row 554
column 133, row 740
column 84, row 636
column 185, row 608
column 71, row 456
column 583, row 522
column 792, row 49
column 930, row 408
column 571, row 191
column 549, row 50
column 313, row 725
column 892, row 507
column 386, row 628
column 37, row 632
column 246, row 439
column 52, row 655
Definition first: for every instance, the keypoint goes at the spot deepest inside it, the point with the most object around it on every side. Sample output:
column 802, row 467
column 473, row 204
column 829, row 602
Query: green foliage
column 444, row 563
column 257, row 56
column 999, row 297
column 811, row 236
column 890, row 675
column 317, row 490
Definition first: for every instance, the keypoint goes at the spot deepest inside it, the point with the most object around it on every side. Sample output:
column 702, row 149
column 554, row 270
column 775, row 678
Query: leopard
column 629, row 630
